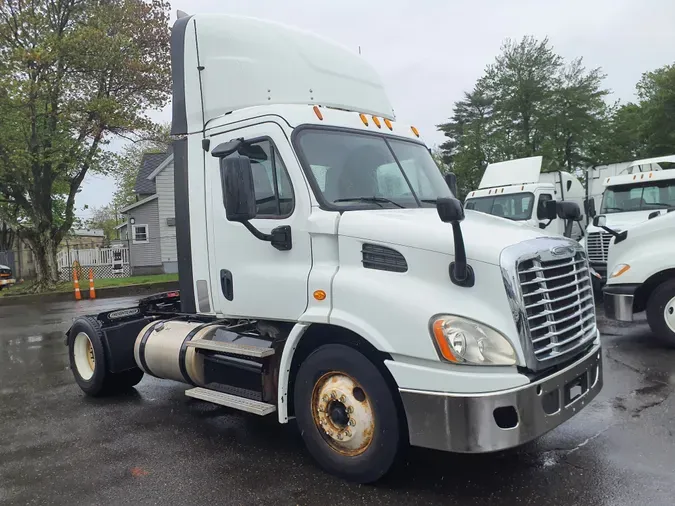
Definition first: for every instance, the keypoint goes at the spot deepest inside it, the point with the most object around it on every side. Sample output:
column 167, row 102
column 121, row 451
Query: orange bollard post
column 76, row 283
column 92, row 290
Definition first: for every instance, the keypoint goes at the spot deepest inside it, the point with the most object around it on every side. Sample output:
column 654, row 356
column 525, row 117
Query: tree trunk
column 44, row 251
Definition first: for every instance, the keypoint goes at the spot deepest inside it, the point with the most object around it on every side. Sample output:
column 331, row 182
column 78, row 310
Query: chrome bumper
column 499, row 420
column 7, row 282
column 618, row 301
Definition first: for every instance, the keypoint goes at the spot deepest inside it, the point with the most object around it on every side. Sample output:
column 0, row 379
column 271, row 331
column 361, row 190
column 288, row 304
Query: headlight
column 618, row 270
column 463, row 341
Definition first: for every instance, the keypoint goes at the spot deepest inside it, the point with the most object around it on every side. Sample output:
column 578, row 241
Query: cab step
column 242, row 350
column 231, row 401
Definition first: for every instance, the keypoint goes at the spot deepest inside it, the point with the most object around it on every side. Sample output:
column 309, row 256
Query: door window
column 541, row 206
column 271, row 183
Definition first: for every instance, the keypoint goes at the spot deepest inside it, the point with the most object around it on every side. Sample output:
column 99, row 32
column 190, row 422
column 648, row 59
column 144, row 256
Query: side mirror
column 450, row 210
column 600, row 221
column 238, row 193
column 451, row 181
column 550, row 210
column 568, row 211
column 589, row 207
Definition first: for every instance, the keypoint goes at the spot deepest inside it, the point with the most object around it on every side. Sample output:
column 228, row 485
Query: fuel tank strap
column 184, row 347
column 141, row 347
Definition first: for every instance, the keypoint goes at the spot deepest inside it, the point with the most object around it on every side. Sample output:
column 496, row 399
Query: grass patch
column 67, row 286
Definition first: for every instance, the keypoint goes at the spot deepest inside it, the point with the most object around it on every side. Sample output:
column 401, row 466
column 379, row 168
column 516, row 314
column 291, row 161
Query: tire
column 88, row 361
column 372, row 430
column 661, row 312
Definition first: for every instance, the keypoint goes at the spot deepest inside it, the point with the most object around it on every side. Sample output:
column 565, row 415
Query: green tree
column 73, row 73
column 656, row 94
column 105, row 218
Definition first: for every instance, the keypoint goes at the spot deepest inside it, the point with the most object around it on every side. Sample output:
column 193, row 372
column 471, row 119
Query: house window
column 140, row 234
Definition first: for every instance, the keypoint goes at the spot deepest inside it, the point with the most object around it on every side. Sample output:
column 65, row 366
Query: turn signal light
column 388, row 123
column 442, row 342
column 376, row 120
column 317, row 112
column 364, row 119
column 415, row 131
column 320, row 295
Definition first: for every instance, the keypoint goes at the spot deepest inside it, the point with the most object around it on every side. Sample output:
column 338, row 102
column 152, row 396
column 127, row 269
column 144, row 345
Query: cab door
column 250, row 277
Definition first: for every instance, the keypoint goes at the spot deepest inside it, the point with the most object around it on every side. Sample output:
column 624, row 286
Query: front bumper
column 498, row 420
column 618, row 301
column 7, row 282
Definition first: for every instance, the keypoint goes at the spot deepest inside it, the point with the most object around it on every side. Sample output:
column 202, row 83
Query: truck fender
column 285, row 362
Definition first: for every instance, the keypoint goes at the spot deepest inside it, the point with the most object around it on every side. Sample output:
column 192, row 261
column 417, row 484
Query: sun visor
column 520, row 171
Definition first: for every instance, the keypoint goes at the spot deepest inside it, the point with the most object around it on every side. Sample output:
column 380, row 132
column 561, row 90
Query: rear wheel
column 88, row 361
column 347, row 414
column 661, row 311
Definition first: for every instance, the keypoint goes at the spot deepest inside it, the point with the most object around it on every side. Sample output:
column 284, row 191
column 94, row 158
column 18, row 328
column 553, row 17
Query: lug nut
column 350, row 409
column 348, row 433
column 333, row 395
column 325, row 397
column 352, row 422
column 343, row 398
column 339, row 436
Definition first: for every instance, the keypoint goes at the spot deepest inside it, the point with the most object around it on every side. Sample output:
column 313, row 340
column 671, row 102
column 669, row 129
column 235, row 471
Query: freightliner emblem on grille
column 561, row 250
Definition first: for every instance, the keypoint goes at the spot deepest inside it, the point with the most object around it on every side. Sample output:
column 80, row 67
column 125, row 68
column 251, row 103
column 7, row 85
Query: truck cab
column 640, row 190
column 517, row 190
column 642, row 274
column 329, row 276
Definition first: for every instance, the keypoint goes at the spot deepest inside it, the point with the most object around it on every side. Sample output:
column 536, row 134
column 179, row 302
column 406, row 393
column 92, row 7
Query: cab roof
column 222, row 63
column 639, row 177
column 520, row 171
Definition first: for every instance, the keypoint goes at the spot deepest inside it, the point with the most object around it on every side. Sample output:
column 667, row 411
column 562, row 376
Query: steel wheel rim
column 669, row 314
column 343, row 414
column 84, row 356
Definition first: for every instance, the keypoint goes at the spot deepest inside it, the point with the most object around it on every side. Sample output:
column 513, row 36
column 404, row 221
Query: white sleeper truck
column 519, row 191
column 642, row 274
column 629, row 194
column 328, row 275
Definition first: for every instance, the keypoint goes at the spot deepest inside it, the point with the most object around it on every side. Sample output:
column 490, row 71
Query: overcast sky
column 428, row 52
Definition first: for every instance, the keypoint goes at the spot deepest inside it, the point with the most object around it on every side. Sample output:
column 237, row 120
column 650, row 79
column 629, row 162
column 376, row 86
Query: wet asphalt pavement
column 157, row 446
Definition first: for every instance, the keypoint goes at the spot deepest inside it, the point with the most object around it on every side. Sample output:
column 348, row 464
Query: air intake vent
column 383, row 258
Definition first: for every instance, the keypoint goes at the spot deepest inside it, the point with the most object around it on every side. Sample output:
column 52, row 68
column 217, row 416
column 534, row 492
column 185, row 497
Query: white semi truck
column 519, row 191
column 328, row 275
column 642, row 274
column 627, row 194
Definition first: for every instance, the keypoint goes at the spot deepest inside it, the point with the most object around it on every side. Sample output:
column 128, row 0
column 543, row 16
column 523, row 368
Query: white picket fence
column 90, row 257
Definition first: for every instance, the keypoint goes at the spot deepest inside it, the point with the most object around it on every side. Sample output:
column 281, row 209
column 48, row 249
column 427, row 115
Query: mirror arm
column 280, row 237
column 461, row 272
column 257, row 233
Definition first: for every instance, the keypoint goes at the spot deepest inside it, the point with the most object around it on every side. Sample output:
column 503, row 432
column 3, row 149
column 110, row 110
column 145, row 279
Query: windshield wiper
column 377, row 200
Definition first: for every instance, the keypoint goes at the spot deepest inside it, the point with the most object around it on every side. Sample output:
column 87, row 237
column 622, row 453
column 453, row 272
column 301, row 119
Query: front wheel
column 347, row 414
column 661, row 311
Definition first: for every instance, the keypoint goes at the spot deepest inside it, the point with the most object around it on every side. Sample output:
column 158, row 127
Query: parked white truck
column 327, row 273
column 642, row 274
column 629, row 193
column 519, row 191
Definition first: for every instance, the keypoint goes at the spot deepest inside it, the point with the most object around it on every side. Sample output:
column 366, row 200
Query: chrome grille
column 597, row 244
column 558, row 300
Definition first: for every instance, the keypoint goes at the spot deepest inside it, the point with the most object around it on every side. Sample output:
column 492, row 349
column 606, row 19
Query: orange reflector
column 634, row 177
column 620, row 271
column 473, row 193
column 442, row 342
column 415, row 131
column 522, row 188
column 364, row 119
column 489, row 192
column 388, row 123
column 642, row 176
column 650, row 175
column 607, row 180
column 320, row 295
column 317, row 112
column 376, row 120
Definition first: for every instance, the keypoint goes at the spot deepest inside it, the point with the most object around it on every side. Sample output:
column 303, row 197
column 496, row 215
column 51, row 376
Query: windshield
column 639, row 197
column 514, row 206
column 350, row 170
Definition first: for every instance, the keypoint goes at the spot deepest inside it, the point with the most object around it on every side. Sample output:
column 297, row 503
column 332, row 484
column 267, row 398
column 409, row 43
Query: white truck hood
column 622, row 221
column 485, row 236
column 4, row 266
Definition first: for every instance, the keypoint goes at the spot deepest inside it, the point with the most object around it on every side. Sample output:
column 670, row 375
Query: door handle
column 226, row 284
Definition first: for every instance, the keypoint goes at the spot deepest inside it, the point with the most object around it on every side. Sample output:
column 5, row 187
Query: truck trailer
column 329, row 276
